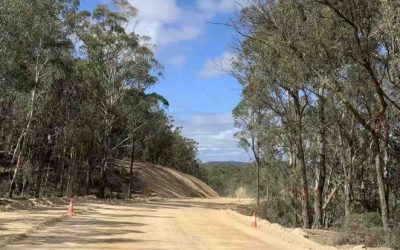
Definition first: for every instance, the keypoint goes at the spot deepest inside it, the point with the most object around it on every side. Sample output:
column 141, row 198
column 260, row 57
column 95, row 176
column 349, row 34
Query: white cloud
column 226, row 134
column 173, row 35
column 157, row 10
column 166, row 22
column 146, row 28
column 177, row 61
column 214, row 133
column 218, row 65
column 221, row 6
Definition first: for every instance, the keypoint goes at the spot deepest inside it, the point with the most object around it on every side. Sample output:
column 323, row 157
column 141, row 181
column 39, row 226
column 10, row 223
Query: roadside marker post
column 70, row 211
column 254, row 222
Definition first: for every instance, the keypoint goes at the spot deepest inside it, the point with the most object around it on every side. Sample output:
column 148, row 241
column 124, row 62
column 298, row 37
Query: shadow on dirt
column 106, row 224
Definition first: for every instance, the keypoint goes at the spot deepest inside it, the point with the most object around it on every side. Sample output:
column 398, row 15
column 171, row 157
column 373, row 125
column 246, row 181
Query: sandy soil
column 13, row 224
column 170, row 183
column 169, row 224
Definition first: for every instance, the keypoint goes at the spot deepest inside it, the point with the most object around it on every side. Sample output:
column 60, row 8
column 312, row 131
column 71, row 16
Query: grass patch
column 366, row 229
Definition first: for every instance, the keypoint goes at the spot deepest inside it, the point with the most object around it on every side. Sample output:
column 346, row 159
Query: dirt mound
column 10, row 205
column 7, row 205
column 170, row 183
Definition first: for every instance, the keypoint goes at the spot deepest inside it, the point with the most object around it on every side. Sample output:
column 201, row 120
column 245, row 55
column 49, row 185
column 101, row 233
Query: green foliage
column 279, row 211
column 320, row 109
column 225, row 180
column 74, row 100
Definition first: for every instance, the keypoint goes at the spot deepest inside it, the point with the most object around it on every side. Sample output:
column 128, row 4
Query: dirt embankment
column 8, row 205
column 162, row 181
column 170, row 183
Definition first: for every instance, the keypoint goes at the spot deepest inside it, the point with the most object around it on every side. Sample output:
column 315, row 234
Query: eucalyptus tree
column 337, row 59
column 358, row 76
column 75, row 99
column 117, row 61
column 137, row 109
column 39, row 43
column 254, row 124
column 277, row 80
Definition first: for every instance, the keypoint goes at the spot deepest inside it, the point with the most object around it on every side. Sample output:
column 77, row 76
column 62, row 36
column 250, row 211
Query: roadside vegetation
column 320, row 110
column 277, row 205
column 75, row 98
column 225, row 179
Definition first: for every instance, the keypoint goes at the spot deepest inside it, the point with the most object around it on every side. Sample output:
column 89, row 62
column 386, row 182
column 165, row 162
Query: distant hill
column 226, row 163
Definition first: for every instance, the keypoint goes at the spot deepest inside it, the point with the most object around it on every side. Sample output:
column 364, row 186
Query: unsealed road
column 171, row 224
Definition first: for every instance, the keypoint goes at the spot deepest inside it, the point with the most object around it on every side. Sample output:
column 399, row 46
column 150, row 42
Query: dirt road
column 172, row 224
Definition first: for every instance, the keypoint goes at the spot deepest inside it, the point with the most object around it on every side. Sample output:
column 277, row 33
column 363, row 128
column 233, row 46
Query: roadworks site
column 22, row 217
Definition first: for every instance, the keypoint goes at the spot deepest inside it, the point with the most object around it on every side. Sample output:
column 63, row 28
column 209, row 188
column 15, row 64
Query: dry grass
column 367, row 229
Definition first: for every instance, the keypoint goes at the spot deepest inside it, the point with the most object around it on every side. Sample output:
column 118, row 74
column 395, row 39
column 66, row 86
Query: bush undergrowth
column 366, row 229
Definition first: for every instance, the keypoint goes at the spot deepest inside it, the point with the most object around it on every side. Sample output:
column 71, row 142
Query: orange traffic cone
column 254, row 223
column 70, row 211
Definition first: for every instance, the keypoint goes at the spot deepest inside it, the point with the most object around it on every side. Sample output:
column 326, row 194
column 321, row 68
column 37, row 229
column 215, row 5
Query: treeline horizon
column 75, row 100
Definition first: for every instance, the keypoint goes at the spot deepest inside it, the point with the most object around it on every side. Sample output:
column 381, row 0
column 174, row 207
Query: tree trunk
column 22, row 139
column 347, row 196
column 381, row 184
column 386, row 162
column 68, row 179
column 12, row 185
column 305, row 207
column 71, row 173
column 258, row 185
column 39, row 180
column 103, row 178
column 88, row 177
column 321, row 168
column 131, row 169
column 258, row 162
column 27, row 127
column 62, row 177
column 23, row 188
column 106, row 151
column 303, row 185
column 47, row 178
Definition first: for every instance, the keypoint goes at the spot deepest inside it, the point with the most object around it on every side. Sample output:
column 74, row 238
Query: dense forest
column 320, row 107
column 75, row 101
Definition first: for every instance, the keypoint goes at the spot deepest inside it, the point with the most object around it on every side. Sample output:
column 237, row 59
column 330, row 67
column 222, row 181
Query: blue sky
column 192, row 52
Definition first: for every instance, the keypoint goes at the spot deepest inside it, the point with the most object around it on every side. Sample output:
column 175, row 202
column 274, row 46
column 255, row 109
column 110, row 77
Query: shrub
column 366, row 229
column 279, row 211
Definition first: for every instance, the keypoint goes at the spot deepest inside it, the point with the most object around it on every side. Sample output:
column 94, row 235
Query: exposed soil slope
column 170, row 183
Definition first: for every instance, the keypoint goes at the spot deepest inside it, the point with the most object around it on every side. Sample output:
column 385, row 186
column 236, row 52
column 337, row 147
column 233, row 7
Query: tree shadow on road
column 85, row 230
